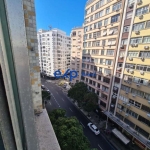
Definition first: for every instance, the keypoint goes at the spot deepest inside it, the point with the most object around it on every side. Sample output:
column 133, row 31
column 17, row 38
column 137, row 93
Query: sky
column 61, row 14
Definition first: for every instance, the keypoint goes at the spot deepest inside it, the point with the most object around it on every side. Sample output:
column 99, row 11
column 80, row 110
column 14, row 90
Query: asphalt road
column 60, row 100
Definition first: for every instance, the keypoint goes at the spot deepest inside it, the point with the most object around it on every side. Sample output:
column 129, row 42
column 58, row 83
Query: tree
column 78, row 91
column 90, row 102
column 69, row 132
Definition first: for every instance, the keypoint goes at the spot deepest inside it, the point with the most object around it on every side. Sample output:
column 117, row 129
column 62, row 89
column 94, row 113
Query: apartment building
column 20, row 85
column 76, row 52
column 129, row 104
column 54, row 51
column 101, row 34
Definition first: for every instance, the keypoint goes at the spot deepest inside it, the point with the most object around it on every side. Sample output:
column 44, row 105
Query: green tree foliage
column 78, row 91
column 69, row 132
column 90, row 102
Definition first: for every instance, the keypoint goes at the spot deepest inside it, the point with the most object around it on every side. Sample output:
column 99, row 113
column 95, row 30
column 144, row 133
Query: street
column 60, row 100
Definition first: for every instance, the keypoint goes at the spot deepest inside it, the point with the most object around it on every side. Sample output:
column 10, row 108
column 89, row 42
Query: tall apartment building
column 54, row 51
column 20, row 85
column 120, row 38
column 76, row 51
column 101, row 35
column 130, row 95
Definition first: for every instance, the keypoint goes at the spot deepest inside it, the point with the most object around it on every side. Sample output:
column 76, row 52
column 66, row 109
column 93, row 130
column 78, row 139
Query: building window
column 123, row 98
column 98, row 33
column 113, row 30
column 103, row 42
column 99, row 24
column 97, row 5
column 136, row 40
column 107, row 71
column 142, row 10
column 92, row 8
column 111, row 42
column 102, row 52
column 125, row 88
column 132, row 113
column 138, row 26
column 96, row 15
column 90, row 35
column 97, row 43
column 129, row 122
column 105, row 22
column 103, row 104
column 148, row 24
column 146, row 39
column 115, row 18
column 101, row 61
column 110, row 52
column 145, row 108
column 107, row 10
column 104, row 88
column 101, row 13
column 101, row 3
column 144, row 120
column 129, row 15
column 141, row 131
column 124, row 42
column 108, row 62
column 133, row 54
column 130, row 2
column 137, row 92
column 106, row 80
column 145, row 54
column 116, row 6
column 126, row 29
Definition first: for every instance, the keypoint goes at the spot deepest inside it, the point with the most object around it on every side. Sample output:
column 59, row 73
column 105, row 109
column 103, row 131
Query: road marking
column 100, row 147
column 82, row 124
column 62, row 99
column 71, row 109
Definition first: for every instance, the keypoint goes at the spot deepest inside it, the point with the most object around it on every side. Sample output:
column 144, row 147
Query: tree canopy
column 69, row 132
column 78, row 91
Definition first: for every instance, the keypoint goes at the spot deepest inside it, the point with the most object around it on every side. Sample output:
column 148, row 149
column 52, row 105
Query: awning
column 120, row 136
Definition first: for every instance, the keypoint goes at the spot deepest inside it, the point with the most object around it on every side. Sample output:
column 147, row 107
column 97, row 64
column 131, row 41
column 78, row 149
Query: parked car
column 93, row 128
column 43, row 87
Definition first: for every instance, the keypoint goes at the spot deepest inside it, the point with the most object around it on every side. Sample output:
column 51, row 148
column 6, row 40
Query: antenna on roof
column 50, row 27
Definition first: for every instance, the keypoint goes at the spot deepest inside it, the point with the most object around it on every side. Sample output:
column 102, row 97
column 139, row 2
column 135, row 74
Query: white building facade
column 54, row 51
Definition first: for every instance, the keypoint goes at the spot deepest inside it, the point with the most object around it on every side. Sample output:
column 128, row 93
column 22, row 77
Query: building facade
column 76, row 52
column 101, row 34
column 54, row 50
column 20, row 83
column 130, row 95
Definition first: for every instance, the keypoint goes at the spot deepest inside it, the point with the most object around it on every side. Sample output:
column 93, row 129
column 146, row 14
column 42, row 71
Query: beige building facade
column 101, row 34
column 76, row 52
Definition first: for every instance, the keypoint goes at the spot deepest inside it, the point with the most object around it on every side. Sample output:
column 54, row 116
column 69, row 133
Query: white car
column 93, row 128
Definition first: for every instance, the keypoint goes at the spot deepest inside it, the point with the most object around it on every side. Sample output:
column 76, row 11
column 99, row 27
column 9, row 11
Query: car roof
column 94, row 127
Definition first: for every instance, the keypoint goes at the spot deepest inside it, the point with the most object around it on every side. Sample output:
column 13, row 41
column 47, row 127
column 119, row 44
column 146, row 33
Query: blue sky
column 61, row 14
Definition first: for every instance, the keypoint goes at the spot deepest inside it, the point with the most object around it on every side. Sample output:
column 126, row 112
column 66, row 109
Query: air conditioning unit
column 141, row 17
column 136, row 45
column 142, row 72
column 126, row 92
column 131, row 71
column 126, row 115
column 137, row 32
column 130, row 58
column 139, row 2
column 114, row 96
column 122, row 46
column 124, row 103
column 117, row 10
column 132, row 45
column 142, row 58
column 127, row 126
column 137, row 84
column 121, row 57
column 131, row 5
column 128, row 104
column 148, row 115
column 133, row 95
column 146, row 47
column 149, row 102
column 120, row 110
column 127, row 69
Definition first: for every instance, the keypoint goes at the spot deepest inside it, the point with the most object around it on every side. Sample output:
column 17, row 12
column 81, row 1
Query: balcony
column 130, row 130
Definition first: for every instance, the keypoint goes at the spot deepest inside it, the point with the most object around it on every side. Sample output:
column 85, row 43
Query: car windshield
column 97, row 130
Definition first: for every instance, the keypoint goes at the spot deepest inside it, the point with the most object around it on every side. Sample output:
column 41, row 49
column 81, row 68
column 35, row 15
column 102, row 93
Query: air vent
column 142, row 58
column 126, row 115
